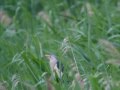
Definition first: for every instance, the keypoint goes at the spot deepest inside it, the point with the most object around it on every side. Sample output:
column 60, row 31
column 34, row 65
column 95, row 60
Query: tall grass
column 84, row 36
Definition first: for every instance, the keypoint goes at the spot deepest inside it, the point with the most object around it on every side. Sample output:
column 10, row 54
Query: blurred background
column 83, row 34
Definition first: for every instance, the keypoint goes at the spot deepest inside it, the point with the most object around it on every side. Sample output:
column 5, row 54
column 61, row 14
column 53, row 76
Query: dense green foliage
column 85, row 33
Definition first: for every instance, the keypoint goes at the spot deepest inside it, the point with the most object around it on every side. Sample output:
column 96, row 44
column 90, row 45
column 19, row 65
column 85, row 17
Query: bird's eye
column 50, row 56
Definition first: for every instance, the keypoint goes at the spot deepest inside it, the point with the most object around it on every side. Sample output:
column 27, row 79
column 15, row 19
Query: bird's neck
column 53, row 60
column 52, row 63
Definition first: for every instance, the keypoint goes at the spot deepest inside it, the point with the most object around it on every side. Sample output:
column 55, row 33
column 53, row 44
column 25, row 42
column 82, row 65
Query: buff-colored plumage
column 53, row 65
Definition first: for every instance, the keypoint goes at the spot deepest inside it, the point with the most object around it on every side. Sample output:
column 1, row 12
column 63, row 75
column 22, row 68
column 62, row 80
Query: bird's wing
column 57, row 71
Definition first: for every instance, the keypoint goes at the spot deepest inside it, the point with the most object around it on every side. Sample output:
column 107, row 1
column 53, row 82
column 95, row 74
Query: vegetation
column 83, row 34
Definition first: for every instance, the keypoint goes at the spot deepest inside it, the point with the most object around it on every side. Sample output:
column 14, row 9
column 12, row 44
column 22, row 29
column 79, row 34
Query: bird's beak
column 48, row 56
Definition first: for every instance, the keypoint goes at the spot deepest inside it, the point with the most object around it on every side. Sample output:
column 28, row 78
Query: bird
column 56, row 66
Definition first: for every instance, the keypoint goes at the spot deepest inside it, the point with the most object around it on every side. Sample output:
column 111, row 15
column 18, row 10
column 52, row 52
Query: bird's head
column 51, row 57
